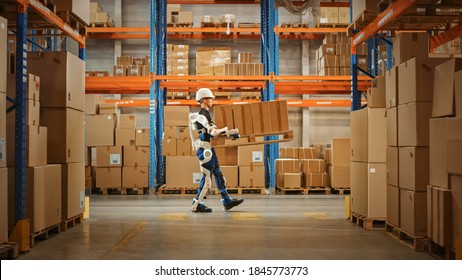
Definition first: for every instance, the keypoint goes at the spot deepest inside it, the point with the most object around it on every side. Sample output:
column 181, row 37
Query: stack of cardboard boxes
column 3, row 169
column 368, row 156
column 80, row 8
column 244, row 67
column 128, row 66
column 444, row 192
column 211, row 61
column 339, row 158
column 176, row 16
column 334, row 15
column 99, row 17
column 178, row 65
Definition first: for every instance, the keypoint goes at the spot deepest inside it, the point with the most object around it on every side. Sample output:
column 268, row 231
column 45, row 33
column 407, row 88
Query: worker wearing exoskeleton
column 203, row 124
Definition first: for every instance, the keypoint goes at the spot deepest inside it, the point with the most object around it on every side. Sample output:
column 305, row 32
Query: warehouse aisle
column 264, row 227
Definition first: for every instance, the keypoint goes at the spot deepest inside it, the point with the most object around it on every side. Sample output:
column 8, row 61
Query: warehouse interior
column 349, row 116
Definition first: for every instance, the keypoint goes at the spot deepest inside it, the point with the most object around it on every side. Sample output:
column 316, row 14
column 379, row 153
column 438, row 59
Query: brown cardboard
column 265, row 117
column 444, row 218
column 359, row 6
column 62, row 74
column 340, row 151
column 183, row 133
column 458, row 93
column 376, row 94
column 99, row 130
column 438, row 159
column 413, row 212
column 125, row 136
column 292, row 180
column 126, row 121
column 176, row 115
column 110, row 156
column 219, row 117
column 183, row 147
column 135, row 177
column 72, row 189
column 169, row 146
column 190, row 175
column 283, row 115
column 108, row 177
column 252, row 176
column 454, row 154
column 377, row 190
column 391, row 87
column 250, row 155
column 36, row 145
column 142, row 137
column 275, row 125
column 3, row 205
column 358, row 178
column 432, row 213
column 327, row 49
column 32, row 113
column 247, row 119
column 340, row 177
column 314, row 166
column 328, row 154
column 413, row 129
column 392, row 126
column 238, row 118
column 3, row 53
column 316, row 180
column 408, row 45
column 368, row 135
column 231, row 174
column 227, row 156
column 33, row 87
column 3, row 148
column 289, row 152
column 256, row 118
column 392, row 166
column 135, row 156
column 288, row 166
column 92, row 104
column 393, row 203
column 413, row 168
column 65, row 134
column 80, row 8
column 456, row 203
column 444, row 88
column 108, row 108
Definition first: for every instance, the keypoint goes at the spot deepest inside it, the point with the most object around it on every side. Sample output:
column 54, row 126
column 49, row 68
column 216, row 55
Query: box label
column 197, row 177
column 114, row 159
column 257, row 156
column 372, row 170
column 82, row 199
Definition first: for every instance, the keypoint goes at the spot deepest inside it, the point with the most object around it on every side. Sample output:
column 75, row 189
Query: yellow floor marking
column 246, row 216
column 124, row 241
column 174, row 216
column 319, row 216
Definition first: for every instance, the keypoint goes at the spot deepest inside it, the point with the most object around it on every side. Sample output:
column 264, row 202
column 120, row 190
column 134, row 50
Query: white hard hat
column 204, row 93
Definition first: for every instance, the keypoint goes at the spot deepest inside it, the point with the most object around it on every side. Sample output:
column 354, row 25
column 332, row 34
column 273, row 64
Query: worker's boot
column 229, row 202
column 201, row 208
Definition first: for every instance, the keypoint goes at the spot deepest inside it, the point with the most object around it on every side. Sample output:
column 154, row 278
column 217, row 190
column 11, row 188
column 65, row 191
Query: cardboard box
column 454, row 145
column 62, row 74
column 169, row 146
column 124, row 60
column 368, row 135
column 376, row 94
column 314, row 166
column 439, row 216
column 3, row 205
column 185, row 17
column 393, row 166
column 328, row 154
column 256, row 119
column 92, row 104
column 127, row 121
column 36, row 145
column 340, row 177
column 183, row 147
column 107, row 156
column 32, row 114
column 316, row 180
column 108, row 109
column 392, row 126
column 33, row 86
column 231, row 174
column 3, row 53
column 99, row 130
column 65, row 134
column 391, row 87
column 135, row 177
column 444, row 88
column 393, row 203
column 3, row 148
column 458, row 93
column 456, row 203
column 289, row 152
column 413, row 168
column 288, row 166
column 407, row 45
column 176, row 115
column 413, row 129
column 80, row 8
column 227, row 156
column 358, row 181
column 413, row 212
column 416, row 81
column 264, row 117
column 135, row 156
column 359, row 6
column 340, row 151
column 252, row 176
column 125, row 137
column 292, row 180
column 438, row 158
column 190, row 175
column 120, row 71
column 108, row 177
column 72, row 189
column 251, row 155
column 142, row 137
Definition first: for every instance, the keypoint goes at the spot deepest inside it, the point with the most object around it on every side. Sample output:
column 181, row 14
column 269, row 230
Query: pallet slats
column 368, row 223
column 9, row 251
column 72, row 222
column 44, row 234
column 417, row 243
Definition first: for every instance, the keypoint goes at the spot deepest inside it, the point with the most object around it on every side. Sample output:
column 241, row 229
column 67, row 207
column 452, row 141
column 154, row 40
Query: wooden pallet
column 361, row 21
column 254, row 139
column 247, row 25
column 341, row 191
column 122, row 191
column 177, row 190
column 383, row 5
column 101, row 24
column 417, row 243
column 294, row 25
column 9, row 251
column 180, row 24
column 441, row 252
column 243, row 190
column 208, row 24
column 50, row 4
column 368, row 223
column 72, row 222
column 44, row 234
column 74, row 21
column 304, row 190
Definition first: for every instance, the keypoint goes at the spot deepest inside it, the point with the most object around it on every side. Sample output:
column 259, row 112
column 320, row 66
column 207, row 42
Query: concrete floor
column 263, row 227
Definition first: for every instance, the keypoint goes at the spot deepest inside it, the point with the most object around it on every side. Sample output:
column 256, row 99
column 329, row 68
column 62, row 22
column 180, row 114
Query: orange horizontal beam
column 447, row 36
column 280, row 30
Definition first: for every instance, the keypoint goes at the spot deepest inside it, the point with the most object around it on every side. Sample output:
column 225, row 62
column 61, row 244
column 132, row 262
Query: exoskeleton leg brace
column 207, row 177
